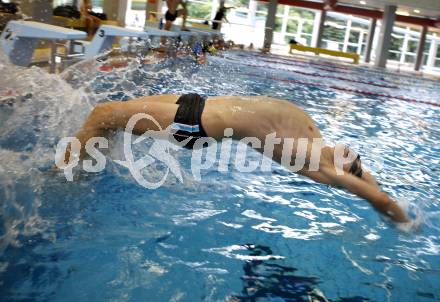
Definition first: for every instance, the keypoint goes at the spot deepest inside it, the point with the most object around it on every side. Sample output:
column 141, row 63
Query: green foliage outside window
column 280, row 9
column 292, row 26
column 396, row 43
column 301, row 13
column 278, row 24
column 427, row 46
column 98, row 3
column 410, row 59
column 199, row 10
column 333, row 34
column 55, row 3
column 412, row 46
column 354, row 36
column 308, row 39
column 238, row 3
column 334, row 29
column 352, row 49
column 335, row 21
column 394, row 56
column 138, row 4
column 307, row 28
column 262, row 7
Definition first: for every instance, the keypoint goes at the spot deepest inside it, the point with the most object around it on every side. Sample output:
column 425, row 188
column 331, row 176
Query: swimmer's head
column 347, row 160
column 355, row 167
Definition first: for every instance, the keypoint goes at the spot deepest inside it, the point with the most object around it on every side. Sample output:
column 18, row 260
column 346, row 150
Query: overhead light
column 402, row 13
column 362, row 2
column 417, row 11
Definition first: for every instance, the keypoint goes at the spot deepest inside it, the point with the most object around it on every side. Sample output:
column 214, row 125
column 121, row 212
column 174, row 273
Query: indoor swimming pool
column 261, row 236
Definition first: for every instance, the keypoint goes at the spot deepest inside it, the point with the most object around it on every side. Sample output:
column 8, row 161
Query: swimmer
column 173, row 13
column 220, row 15
column 194, row 117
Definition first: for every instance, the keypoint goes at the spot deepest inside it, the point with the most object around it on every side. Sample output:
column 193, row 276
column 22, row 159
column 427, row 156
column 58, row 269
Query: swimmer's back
column 254, row 115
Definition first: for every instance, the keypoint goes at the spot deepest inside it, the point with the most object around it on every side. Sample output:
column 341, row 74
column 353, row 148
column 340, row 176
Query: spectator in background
column 220, row 16
column 173, row 13
column 9, row 11
column 92, row 22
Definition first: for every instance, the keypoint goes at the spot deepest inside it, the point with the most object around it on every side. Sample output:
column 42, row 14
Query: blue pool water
column 231, row 236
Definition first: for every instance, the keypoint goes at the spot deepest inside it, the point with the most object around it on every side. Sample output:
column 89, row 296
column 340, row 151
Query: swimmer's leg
column 168, row 25
column 183, row 13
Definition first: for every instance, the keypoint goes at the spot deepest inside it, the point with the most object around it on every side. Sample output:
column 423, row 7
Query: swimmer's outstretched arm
column 115, row 115
column 95, row 126
column 378, row 199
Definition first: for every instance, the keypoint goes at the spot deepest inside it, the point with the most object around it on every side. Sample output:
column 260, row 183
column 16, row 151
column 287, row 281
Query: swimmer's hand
column 409, row 226
column 66, row 160
column 390, row 208
column 380, row 201
column 59, row 165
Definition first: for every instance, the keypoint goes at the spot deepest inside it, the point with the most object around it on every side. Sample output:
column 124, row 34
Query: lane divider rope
column 287, row 59
column 358, row 91
column 325, row 76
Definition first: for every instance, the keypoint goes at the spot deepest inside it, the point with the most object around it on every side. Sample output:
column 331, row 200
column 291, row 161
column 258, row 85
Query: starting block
column 20, row 38
column 104, row 38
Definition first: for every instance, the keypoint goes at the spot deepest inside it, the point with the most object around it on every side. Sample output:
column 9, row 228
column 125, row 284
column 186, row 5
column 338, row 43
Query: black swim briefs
column 170, row 17
column 188, row 120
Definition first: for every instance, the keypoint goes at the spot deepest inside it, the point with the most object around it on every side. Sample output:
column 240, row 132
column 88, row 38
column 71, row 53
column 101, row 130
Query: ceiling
column 416, row 8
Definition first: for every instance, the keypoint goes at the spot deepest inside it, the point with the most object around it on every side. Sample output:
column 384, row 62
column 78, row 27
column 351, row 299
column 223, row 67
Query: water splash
column 110, row 218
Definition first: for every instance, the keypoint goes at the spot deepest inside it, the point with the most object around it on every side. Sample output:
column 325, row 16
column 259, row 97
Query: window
column 412, row 46
column 241, row 14
column 307, row 28
column 334, row 29
column 98, row 5
column 301, row 13
column 57, row 3
column 199, row 9
column 308, row 39
column 262, row 7
column 335, row 22
column 352, row 49
column 280, row 9
column 261, row 10
column 395, row 47
column 396, row 42
column 292, row 26
column 333, row 33
column 410, row 58
column 278, row 24
column 354, row 36
column 139, row 4
column 238, row 3
column 427, row 46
